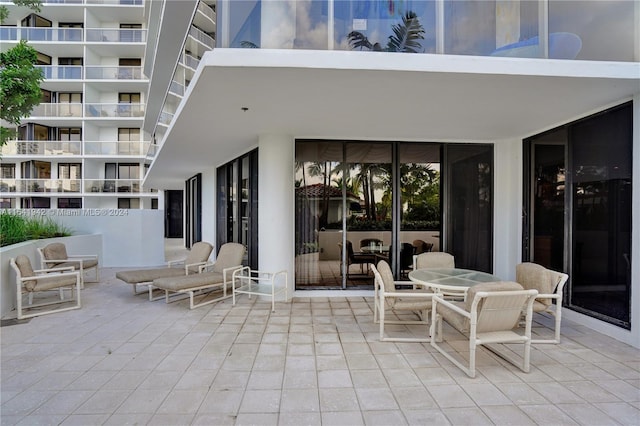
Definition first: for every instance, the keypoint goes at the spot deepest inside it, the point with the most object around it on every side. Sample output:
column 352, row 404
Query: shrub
column 15, row 228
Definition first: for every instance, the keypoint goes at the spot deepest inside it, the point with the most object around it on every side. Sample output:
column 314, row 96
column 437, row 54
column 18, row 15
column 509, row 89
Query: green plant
column 405, row 37
column 18, row 228
column 19, row 78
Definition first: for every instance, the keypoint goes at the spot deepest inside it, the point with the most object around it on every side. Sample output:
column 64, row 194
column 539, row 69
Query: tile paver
column 314, row 361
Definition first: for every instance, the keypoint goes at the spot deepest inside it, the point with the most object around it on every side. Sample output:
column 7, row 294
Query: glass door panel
column 419, row 201
column 469, row 205
column 319, row 210
column 601, row 215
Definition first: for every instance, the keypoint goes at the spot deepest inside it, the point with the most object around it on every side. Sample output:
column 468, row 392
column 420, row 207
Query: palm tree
column 405, row 37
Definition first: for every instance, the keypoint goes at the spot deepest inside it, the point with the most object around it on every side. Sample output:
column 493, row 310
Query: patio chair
column 197, row 257
column 550, row 286
column 433, row 259
column 421, row 246
column 54, row 255
column 353, row 258
column 30, row 281
column 490, row 314
column 415, row 303
column 218, row 278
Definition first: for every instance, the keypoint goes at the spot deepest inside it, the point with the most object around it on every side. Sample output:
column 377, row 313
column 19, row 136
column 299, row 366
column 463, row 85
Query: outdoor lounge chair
column 198, row 256
column 216, row 276
column 30, row 281
column 55, row 255
column 490, row 314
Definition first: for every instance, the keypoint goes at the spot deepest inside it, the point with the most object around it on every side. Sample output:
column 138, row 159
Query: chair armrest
column 436, row 299
column 86, row 256
column 187, row 266
column 231, row 269
column 49, row 276
column 407, row 294
column 47, row 271
column 174, row 262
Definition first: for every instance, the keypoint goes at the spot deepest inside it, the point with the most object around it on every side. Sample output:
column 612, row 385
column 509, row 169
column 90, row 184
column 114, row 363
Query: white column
column 276, row 205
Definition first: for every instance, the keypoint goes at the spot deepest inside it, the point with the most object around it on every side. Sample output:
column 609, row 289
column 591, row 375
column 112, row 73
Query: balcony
column 190, row 61
column 165, row 118
column 113, row 73
column 112, row 185
column 36, row 34
column 114, row 110
column 40, row 185
column 115, row 148
column 58, row 110
column 202, row 37
column 207, row 11
column 61, row 72
column 31, row 148
column 116, row 35
column 176, row 88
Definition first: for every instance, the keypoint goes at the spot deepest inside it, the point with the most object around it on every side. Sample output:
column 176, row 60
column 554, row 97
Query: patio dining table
column 451, row 281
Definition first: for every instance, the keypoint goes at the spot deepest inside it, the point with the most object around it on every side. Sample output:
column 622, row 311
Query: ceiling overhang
column 375, row 96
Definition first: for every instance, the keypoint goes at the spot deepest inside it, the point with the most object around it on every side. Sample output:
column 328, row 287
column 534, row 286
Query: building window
column 128, row 141
column 8, row 171
column 131, row 33
column 69, row 203
column 128, row 203
column 7, row 203
column 132, row 110
column 36, row 203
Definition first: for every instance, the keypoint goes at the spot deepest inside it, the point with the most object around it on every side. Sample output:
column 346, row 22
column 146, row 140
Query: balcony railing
column 36, row 34
column 42, row 148
column 207, row 11
column 113, row 73
column 116, row 35
column 202, row 37
column 115, row 148
column 61, row 72
column 191, row 61
column 114, row 110
column 165, row 118
column 112, row 185
column 40, row 185
column 176, row 88
column 57, row 110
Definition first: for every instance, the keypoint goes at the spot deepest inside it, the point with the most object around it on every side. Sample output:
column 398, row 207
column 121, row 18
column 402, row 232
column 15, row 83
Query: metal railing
column 165, row 118
column 112, row 185
column 207, row 11
column 61, row 72
column 114, row 110
column 191, row 61
column 116, row 35
column 57, row 110
column 42, row 148
column 202, row 37
column 176, row 88
column 36, row 34
column 115, row 148
column 40, row 185
column 113, row 73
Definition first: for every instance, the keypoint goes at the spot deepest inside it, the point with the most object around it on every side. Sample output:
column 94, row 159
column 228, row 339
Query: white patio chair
column 30, row 281
column 55, row 255
column 388, row 299
column 550, row 286
column 490, row 315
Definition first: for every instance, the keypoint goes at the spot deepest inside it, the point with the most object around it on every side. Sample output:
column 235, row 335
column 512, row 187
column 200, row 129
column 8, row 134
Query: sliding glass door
column 361, row 202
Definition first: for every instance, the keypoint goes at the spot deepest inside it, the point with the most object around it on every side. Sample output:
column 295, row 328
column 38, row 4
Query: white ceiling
column 375, row 96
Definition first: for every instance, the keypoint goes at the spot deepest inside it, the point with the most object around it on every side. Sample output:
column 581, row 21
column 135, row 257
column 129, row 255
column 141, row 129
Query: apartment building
column 512, row 126
column 83, row 147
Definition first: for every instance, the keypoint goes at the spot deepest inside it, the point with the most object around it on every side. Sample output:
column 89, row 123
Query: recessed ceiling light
column 244, row 109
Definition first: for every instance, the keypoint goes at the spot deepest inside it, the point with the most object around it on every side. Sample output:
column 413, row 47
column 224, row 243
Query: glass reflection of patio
column 123, row 360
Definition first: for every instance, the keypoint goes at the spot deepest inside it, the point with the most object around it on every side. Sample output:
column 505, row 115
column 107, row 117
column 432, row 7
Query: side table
column 252, row 282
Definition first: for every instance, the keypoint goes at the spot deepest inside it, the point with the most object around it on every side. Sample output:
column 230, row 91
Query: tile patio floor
column 124, row 360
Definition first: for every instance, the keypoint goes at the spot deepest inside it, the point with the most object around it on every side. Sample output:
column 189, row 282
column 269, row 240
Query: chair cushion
column 26, row 270
column 189, row 281
column 55, row 251
column 535, row 277
column 199, row 252
column 387, row 277
column 435, row 259
column 147, row 275
column 231, row 254
column 461, row 323
column 53, row 280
